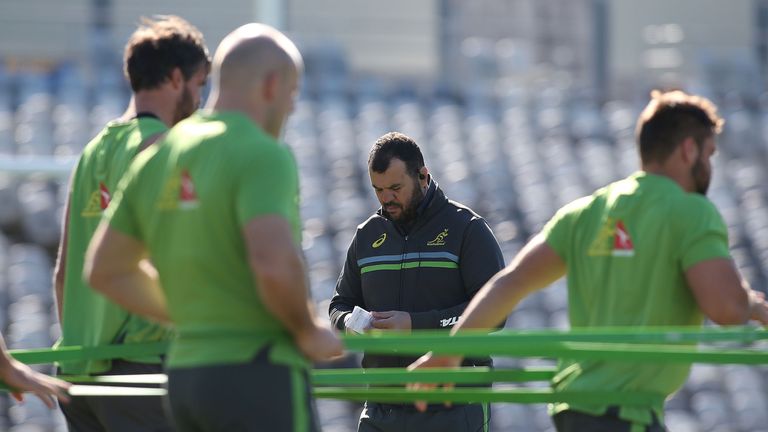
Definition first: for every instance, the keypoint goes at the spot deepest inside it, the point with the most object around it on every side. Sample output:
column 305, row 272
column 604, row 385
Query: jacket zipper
column 402, row 272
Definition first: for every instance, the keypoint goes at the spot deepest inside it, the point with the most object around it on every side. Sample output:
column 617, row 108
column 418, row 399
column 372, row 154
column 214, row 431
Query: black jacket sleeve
column 349, row 292
column 480, row 259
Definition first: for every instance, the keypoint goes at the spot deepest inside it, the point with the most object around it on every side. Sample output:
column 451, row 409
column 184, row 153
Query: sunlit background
column 519, row 105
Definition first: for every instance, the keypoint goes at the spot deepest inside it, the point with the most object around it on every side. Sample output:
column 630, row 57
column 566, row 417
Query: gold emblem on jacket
column 440, row 239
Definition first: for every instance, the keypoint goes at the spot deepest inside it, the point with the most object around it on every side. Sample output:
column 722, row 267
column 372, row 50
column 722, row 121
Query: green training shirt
column 89, row 319
column 626, row 248
column 188, row 202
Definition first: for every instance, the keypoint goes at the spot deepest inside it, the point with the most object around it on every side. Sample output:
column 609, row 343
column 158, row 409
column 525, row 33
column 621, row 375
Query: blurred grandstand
column 511, row 137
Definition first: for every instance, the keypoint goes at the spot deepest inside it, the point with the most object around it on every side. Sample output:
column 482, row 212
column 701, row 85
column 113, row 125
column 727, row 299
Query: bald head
column 250, row 54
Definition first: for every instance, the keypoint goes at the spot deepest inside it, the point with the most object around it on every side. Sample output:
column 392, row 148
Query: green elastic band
column 76, row 353
column 383, row 376
column 644, row 345
column 388, row 376
column 484, row 345
column 495, row 395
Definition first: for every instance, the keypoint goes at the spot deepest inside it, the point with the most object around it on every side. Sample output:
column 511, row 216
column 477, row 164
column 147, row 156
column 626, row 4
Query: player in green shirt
column 167, row 63
column 216, row 209
column 649, row 250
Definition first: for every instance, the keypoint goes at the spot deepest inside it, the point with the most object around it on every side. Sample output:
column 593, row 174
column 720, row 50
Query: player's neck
column 228, row 102
column 157, row 103
column 679, row 176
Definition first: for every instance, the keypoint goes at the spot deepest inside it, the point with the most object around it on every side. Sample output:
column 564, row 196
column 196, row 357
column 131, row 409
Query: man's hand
column 21, row 378
column 358, row 321
column 391, row 320
column 320, row 343
column 430, row 361
column 758, row 307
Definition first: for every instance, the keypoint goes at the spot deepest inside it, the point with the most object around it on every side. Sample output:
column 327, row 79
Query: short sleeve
column 557, row 232
column 706, row 235
column 120, row 214
column 267, row 185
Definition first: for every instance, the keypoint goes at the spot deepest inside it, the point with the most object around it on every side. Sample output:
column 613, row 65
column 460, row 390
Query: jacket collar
column 433, row 200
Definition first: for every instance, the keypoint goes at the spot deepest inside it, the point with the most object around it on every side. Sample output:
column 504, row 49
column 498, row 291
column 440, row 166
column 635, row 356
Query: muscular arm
column 723, row 295
column 535, row 267
column 116, row 266
column 279, row 271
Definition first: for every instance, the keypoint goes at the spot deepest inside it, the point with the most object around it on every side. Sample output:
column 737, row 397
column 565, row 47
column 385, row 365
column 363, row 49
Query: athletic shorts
column 119, row 413
column 254, row 396
column 575, row 421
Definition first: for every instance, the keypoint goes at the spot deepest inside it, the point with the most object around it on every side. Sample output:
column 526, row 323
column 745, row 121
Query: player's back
column 630, row 246
column 188, row 198
column 627, row 248
column 99, row 169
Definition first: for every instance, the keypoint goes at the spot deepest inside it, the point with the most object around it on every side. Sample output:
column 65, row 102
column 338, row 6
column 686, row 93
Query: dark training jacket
column 432, row 272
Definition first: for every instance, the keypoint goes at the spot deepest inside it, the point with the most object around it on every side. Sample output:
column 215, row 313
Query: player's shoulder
column 688, row 205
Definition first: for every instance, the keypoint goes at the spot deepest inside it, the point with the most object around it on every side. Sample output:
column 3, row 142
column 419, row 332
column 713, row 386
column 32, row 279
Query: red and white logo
column 622, row 241
column 187, row 194
column 104, row 194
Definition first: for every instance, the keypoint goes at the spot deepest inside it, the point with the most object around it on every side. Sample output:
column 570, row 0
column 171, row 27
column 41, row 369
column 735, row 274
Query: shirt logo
column 187, row 195
column 440, row 239
column 622, row 242
column 178, row 192
column 613, row 239
column 379, row 241
column 104, row 193
column 97, row 202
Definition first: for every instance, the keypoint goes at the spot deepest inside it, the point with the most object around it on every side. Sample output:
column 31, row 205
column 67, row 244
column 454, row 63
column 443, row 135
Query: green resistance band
column 605, row 344
column 76, row 353
column 327, row 384
column 363, row 377
column 475, row 395
column 634, row 345
column 662, row 344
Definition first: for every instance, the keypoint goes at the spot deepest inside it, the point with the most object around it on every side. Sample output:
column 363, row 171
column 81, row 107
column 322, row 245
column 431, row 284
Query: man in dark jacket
column 415, row 264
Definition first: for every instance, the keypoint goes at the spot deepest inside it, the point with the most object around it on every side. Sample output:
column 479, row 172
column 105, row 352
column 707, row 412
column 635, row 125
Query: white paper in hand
column 359, row 320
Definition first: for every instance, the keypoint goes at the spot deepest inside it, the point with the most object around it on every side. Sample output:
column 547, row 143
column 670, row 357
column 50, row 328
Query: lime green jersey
column 88, row 318
column 626, row 248
column 188, row 201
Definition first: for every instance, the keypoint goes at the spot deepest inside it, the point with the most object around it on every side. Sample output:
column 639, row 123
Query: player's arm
column 278, row 269
column 61, row 261
column 536, row 266
column 723, row 295
column 720, row 291
column 116, row 266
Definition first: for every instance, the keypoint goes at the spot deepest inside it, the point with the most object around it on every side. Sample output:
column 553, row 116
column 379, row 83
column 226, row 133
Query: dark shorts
column 254, row 396
column 404, row 418
column 575, row 421
column 119, row 414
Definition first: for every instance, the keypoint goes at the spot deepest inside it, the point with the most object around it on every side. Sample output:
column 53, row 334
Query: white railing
column 55, row 168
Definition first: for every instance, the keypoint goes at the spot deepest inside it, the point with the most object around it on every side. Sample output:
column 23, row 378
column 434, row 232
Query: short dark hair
column 158, row 46
column 395, row 145
column 669, row 118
